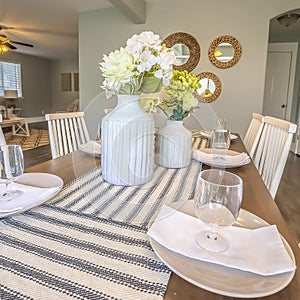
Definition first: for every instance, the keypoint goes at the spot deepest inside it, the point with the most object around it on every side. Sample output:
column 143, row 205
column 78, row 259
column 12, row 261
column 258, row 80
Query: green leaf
column 178, row 114
column 151, row 85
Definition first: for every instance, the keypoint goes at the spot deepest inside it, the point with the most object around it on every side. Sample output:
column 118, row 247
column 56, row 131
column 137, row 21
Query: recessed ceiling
column 51, row 26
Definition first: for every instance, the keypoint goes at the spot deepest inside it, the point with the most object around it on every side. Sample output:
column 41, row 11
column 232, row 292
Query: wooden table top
column 13, row 120
column 256, row 199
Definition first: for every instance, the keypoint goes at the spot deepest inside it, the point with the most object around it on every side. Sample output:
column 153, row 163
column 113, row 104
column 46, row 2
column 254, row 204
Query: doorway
column 280, row 79
column 280, row 82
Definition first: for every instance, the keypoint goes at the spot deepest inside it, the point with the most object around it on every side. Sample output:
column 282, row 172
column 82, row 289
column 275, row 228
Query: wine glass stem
column 212, row 235
column 7, row 188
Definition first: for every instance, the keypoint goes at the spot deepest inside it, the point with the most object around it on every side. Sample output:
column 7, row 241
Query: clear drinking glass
column 11, row 167
column 220, row 141
column 217, row 202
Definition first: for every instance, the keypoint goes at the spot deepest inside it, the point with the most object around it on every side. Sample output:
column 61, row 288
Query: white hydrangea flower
column 144, row 56
column 166, row 60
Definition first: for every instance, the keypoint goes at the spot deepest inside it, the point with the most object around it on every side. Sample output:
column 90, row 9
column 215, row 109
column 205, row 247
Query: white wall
column 36, row 83
column 105, row 30
column 61, row 99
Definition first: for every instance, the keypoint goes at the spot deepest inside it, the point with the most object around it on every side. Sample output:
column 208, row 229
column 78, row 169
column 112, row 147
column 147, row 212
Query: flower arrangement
column 176, row 100
column 143, row 66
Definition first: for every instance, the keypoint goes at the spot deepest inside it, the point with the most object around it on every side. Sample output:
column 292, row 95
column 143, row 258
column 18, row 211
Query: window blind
column 10, row 77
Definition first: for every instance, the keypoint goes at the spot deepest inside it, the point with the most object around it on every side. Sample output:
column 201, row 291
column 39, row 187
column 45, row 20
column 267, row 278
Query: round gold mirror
column 224, row 52
column 186, row 48
column 210, row 87
column 182, row 53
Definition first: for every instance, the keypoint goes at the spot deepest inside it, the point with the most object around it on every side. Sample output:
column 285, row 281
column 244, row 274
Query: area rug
column 37, row 138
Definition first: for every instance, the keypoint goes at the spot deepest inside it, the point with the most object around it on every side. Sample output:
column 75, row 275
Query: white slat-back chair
column 253, row 133
column 66, row 132
column 272, row 151
column 2, row 137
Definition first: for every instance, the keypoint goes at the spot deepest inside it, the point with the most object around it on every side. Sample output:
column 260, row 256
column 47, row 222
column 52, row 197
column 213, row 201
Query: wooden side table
column 19, row 126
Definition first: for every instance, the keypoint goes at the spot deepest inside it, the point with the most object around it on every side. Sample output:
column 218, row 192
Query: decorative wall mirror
column 225, row 51
column 210, row 87
column 186, row 48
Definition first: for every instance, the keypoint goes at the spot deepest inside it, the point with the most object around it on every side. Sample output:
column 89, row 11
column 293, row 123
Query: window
column 10, row 77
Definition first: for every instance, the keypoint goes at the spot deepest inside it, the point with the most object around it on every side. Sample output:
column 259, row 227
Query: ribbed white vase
column 173, row 145
column 127, row 141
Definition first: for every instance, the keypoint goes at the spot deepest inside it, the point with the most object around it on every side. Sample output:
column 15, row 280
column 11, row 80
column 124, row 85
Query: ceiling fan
column 6, row 44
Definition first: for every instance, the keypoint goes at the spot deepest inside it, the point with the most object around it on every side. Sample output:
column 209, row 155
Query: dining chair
column 253, row 133
column 66, row 132
column 2, row 137
column 272, row 151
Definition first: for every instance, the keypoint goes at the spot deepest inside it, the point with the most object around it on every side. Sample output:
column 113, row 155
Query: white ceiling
column 52, row 25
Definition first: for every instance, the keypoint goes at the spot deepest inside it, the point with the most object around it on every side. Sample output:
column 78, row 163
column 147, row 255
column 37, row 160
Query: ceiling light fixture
column 288, row 19
column 3, row 49
column 3, row 46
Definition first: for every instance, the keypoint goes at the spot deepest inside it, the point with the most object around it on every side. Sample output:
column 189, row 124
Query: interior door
column 277, row 84
column 280, row 79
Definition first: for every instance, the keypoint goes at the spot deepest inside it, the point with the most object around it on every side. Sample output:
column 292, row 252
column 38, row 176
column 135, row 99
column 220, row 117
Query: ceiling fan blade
column 22, row 44
column 3, row 27
column 12, row 47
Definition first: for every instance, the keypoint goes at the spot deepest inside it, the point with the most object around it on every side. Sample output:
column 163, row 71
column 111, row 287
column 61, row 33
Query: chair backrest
column 2, row 136
column 253, row 133
column 66, row 132
column 272, row 151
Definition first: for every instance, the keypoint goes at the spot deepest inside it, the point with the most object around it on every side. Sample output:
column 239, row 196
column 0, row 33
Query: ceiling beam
column 135, row 10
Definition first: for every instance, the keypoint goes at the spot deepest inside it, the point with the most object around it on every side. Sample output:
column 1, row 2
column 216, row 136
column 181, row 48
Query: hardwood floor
column 288, row 194
column 287, row 198
column 35, row 156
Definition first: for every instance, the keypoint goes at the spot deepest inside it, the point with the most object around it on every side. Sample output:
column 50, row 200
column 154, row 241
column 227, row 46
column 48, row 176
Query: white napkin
column 239, row 159
column 91, row 147
column 30, row 197
column 259, row 250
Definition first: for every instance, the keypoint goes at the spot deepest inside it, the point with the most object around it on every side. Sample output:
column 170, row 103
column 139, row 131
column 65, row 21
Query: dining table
column 73, row 167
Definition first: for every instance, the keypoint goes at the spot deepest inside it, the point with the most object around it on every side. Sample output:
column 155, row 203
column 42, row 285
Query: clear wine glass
column 11, row 167
column 218, row 200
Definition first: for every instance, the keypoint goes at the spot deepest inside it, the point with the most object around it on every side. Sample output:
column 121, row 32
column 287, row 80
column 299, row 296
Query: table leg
column 19, row 130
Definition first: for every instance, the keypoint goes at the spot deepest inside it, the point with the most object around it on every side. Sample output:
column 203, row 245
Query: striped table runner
column 90, row 241
column 54, row 253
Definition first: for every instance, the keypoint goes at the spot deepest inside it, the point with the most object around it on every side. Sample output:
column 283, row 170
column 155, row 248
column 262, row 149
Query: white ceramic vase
column 127, row 143
column 173, row 145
